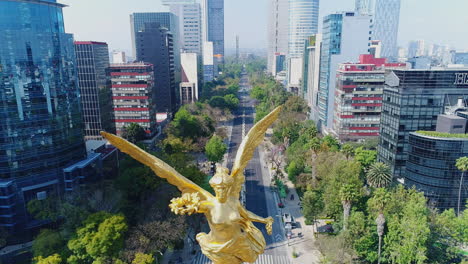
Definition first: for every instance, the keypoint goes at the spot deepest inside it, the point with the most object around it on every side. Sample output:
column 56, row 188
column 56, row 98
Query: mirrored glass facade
column 40, row 118
column 387, row 20
column 412, row 100
column 303, row 22
column 431, row 169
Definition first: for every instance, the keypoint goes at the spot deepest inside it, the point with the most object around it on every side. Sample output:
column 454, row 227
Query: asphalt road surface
column 259, row 199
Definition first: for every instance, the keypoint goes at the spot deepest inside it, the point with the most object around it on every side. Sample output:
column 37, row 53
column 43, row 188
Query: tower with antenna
column 237, row 48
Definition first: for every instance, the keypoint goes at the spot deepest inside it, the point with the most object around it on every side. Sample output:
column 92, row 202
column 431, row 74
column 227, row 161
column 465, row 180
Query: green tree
column 47, row 209
column 134, row 133
column 215, row 149
column 218, row 101
column 379, row 175
column 462, row 164
column 312, row 205
column 141, row 258
column 348, row 194
column 347, row 150
column 335, row 172
column 448, row 235
column 232, row 102
column 331, row 142
column 53, row 259
column 365, row 157
column 100, row 238
column 47, row 243
column 315, row 145
column 408, row 228
column 362, row 236
column 377, row 204
column 294, row 169
column 258, row 93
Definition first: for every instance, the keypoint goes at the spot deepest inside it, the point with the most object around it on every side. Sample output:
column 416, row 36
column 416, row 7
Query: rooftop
column 436, row 134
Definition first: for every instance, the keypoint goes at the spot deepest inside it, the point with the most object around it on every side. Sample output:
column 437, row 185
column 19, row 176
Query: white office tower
column 375, row 48
column 365, row 7
column 188, row 13
column 303, row 23
column 189, row 84
column 386, row 22
column 118, row 57
column 208, row 62
column 416, row 48
column 295, row 75
column 278, row 32
column 311, row 74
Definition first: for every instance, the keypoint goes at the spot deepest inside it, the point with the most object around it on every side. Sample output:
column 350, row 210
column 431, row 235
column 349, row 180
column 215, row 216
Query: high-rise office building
column 416, row 48
column 303, row 22
column 310, row 79
column 208, row 62
column 166, row 20
column 279, row 63
column 278, row 31
column 365, row 7
column 386, row 22
column 295, row 73
column 412, row 100
column 432, row 157
column 119, row 57
column 188, row 13
column 189, row 85
column 345, row 37
column 358, row 97
column 460, row 58
column 133, row 96
column 155, row 46
column 92, row 60
column 41, row 127
column 213, row 26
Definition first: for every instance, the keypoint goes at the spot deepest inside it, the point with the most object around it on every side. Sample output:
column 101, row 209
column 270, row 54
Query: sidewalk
column 304, row 246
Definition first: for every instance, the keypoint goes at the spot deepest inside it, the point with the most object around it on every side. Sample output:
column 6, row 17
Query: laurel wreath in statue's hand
column 188, row 204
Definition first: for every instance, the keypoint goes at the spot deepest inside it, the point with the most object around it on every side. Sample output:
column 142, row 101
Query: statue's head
column 221, row 183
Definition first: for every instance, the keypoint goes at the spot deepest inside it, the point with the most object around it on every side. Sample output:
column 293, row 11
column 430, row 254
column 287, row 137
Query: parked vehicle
column 289, row 219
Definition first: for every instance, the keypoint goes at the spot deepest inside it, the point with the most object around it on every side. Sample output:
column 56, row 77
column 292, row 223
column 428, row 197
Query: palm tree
column 377, row 203
column 379, row 175
column 348, row 194
column 347, row 150
column 315, row 145
column 462, row 164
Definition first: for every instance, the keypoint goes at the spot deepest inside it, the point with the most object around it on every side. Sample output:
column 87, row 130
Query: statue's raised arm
column 192, row 194
column 247, row 149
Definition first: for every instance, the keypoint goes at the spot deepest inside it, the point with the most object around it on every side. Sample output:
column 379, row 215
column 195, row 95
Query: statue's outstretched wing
column 247, row 148
column 161, row 168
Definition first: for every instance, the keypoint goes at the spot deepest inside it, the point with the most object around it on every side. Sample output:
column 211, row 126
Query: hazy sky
column 436, row 21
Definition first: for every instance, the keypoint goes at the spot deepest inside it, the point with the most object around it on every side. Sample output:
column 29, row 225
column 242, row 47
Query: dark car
column 325, row 229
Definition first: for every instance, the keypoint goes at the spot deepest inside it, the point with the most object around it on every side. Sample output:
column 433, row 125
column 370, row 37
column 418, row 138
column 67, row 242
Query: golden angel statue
column 233, row 238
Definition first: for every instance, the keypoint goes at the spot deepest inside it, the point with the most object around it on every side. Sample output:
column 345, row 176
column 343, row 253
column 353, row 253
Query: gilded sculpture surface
column 233, row 238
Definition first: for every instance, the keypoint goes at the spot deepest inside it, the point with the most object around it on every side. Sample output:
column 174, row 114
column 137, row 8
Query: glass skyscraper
column 345, row 37
column 92, row 60
column 303, row 23
column 412, row 100
column 40, row 115
column 386, row 21
column 213, row 26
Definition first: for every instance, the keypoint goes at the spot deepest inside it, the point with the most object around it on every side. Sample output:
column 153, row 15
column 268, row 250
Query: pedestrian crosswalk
column 262, row 259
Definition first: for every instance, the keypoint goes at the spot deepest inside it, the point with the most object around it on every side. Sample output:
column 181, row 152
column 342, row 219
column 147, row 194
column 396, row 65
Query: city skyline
column 416, row 21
